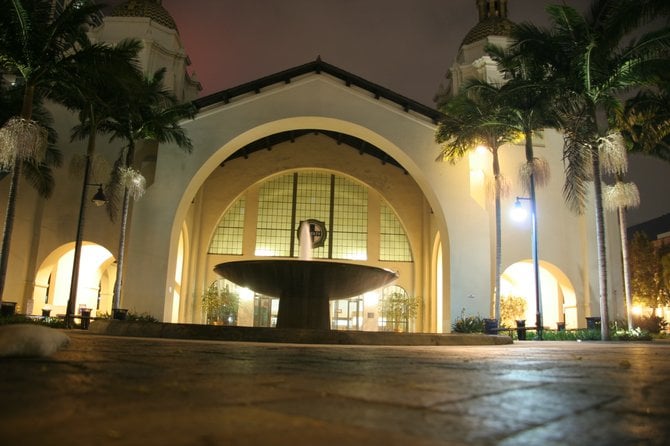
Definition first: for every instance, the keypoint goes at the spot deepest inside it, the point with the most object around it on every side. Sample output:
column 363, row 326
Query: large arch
column 217, row 159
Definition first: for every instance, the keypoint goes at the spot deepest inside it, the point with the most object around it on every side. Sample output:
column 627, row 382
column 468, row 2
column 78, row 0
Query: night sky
column 404, row 45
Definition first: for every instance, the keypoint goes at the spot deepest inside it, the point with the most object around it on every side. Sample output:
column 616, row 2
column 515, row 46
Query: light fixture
column 99, row 198
column 518, row 212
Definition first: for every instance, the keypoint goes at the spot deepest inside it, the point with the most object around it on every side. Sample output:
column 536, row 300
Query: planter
column 593, row 323
column 491, row 326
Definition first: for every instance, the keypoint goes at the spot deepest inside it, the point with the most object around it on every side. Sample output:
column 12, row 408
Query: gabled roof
column 318, row 66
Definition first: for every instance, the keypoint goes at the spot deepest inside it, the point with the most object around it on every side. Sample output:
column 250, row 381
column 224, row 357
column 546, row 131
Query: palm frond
column 577, row 163
column 539, row 168
column 620, row 195
column 114, row 188
column 40, row 176
column 612, row 153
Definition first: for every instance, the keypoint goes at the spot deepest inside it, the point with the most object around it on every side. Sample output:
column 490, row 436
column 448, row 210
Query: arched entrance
column 97, row 273
column 361, row 226
column 559, row 303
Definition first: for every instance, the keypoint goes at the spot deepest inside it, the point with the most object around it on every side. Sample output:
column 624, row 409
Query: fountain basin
column 304, row 287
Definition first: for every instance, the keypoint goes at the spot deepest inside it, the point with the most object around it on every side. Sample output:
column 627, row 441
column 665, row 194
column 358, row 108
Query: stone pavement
column 104, row 390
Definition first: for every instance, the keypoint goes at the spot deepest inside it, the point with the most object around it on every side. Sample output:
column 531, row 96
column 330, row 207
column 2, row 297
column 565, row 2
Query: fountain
column 305, row 286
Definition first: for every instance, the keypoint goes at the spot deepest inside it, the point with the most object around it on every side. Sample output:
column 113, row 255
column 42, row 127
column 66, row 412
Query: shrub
column 140, row 317
column 652, row 324
column 468, row 324
column 220, row 305
column 511, row 309
column 52, row 322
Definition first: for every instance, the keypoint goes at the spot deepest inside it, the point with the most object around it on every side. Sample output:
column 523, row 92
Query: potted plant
column 220, row 305
column 398, row 309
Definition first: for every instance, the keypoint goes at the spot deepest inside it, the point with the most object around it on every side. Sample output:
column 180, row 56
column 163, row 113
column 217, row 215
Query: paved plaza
column 105, row 390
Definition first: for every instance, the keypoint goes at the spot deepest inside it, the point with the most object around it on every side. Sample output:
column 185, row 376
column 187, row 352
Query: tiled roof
column 318, row 66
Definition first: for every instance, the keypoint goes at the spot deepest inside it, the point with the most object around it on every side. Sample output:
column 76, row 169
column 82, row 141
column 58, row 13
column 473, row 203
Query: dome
column 493, row 26
column 493, row 21
column 151, row 9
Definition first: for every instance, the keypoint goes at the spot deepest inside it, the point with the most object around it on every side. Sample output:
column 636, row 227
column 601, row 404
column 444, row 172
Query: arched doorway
column 559, row 302
column 97, row 273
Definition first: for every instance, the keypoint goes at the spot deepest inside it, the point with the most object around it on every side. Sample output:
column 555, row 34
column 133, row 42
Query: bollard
column 521, row 329
column 85, row 318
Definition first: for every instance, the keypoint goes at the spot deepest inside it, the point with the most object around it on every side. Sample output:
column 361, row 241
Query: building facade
column 312, row 142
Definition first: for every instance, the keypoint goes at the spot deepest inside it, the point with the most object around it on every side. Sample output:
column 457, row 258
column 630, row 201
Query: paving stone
column 107, row 390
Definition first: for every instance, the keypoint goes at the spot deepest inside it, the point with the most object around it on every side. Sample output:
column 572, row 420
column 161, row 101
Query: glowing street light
column 519, row 213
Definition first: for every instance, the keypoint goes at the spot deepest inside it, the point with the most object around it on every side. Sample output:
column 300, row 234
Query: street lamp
column 98, row 199
column 519, row 213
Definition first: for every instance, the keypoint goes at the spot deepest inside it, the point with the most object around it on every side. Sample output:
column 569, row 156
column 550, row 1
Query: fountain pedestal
column 305, row 287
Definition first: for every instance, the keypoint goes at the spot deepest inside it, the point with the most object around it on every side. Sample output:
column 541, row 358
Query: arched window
column 393, row 244
column 228, row 234
column 340, row 203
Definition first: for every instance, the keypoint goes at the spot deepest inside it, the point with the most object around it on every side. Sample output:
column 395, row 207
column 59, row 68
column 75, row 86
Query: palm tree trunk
column 498, row 267
column 626, row 269
column 9, row 225
column 530, row 159
column 10, row 214
column 116, row 301
column 74, row 281
column 122, row 249
column 600, row 243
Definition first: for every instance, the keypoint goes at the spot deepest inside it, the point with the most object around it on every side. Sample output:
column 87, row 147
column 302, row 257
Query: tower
column 152, row 24
column 493, row 27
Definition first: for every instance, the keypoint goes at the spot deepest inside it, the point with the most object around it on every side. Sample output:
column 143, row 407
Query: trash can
column 46, row 312
column 593, row 323
column 560, row 326
column 119, row 314
column 521, row 329
column 85, row 318
column 490, row 326
column 8, row 309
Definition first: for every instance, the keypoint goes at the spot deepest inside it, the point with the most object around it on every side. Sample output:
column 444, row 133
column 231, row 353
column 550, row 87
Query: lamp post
column 98, row 199
column 536, row 262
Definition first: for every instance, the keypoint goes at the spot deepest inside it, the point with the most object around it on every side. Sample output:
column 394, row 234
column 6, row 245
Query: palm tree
column 92, row 91
column 152, row 113
column 477, row 117
column 39, row 46
column 38, row 173
column 585, row 57
column 526, row 96
column 644, row 123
